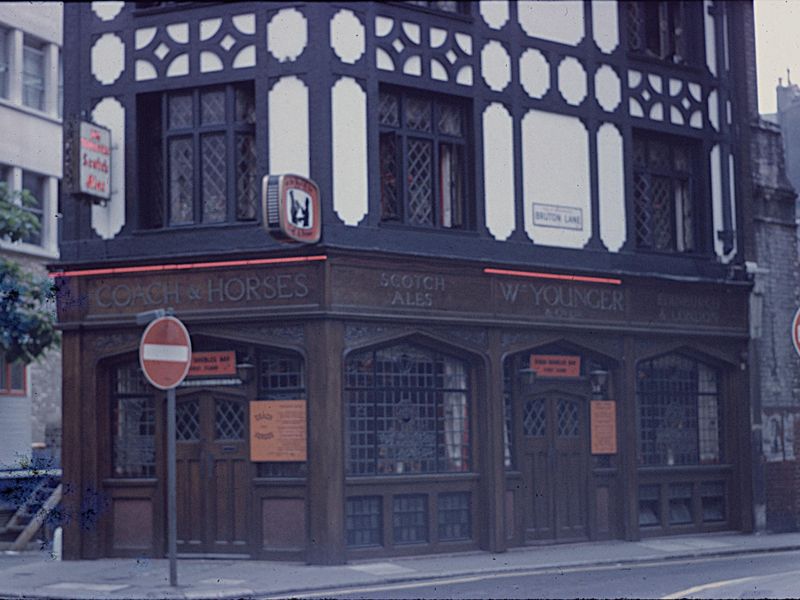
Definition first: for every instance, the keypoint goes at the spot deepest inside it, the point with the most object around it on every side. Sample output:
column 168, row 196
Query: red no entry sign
column 796, row 330
column 165, row 352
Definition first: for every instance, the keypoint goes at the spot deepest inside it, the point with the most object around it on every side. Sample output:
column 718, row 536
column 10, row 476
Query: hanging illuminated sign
column 91, row 174
column 291, row 208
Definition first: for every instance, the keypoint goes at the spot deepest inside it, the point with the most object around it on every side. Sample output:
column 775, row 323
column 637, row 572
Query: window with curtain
column 197, row 156
column 423, row 154
column 680, row 412
column 407, row 412
column 133, row 423
column 33, row 73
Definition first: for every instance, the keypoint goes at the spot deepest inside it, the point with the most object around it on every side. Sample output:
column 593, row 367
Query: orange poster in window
column 278, row 431
column 604, row 426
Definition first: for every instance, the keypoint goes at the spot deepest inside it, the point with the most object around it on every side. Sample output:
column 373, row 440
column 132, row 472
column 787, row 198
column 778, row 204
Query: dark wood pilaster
column 628, row 451
column 325, row 509
column 72, row 454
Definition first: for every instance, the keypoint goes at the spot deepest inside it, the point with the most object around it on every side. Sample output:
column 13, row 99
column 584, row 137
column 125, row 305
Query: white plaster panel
column 611, row 186
column 107, row 221
column 557, row 20
column 179, row 32
column 607, row 88
column 246, row 57
column 713, row 109
column 288, row 127
column 634, row 108
column 464, row 42
column 710, row 37
column 178, row 66
column 572, row 81
column 347, row 36
column 605, row 25
column 208, row 28
column 287, row 35
column 657, row 111
column 107, row 11
column 495, row 66
column 144, row 36
column 494, row 13
column 108, row 58
column 413, row 32
column 556, row 175
column 383, row 60
column 438, row 72
column 413, row 66
column 349, row 133
column 675, row 116
column 438, row 37
column 210, row 62
column 144, row 70
column 383, row 25
column 715, row 159
column 464, row 76
column 534, row 73
column 245, row 23
column 498, row 171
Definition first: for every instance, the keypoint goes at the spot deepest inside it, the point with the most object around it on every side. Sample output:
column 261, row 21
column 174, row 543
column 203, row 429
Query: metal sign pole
column 172, row 521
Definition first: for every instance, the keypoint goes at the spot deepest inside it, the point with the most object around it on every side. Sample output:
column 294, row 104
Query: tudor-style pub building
column 526, row 320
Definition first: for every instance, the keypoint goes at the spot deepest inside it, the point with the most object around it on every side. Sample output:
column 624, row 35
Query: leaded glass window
column 133, row 423
column 281, row 376
column 664, row 210
column 661, row 29
column 446, row 6
column 407, row 412
column 363, row 521
column 680, row 413
column 198, row 156
column 423, row 141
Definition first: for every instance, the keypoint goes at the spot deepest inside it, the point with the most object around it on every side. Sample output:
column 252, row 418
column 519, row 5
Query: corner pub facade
column 526, row 321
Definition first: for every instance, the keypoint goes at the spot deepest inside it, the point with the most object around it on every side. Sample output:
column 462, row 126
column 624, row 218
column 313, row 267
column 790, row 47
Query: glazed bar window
column 133, row 423
column 663, row 30
column 36, row 185
column 197, row 156
column 33, row 73
column 423, row 141
column 665, row 215
column 679, row 412
column 407, row 412
column 4, row 62
column 281, row 376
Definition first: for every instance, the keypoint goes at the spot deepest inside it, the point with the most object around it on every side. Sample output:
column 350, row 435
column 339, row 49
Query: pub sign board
column 291, row 208
column 92, row 166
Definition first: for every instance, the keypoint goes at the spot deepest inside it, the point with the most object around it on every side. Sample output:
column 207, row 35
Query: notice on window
column 604, row 426
column 553, row 365
column 213, row 364
column 278, row 431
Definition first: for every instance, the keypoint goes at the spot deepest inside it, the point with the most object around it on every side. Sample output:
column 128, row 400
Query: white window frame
column 28, row 78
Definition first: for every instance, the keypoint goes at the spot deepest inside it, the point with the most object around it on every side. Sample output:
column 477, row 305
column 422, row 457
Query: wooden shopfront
column 434, row 421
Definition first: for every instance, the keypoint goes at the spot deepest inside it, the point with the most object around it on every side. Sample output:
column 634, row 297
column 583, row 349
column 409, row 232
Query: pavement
column 38, row 575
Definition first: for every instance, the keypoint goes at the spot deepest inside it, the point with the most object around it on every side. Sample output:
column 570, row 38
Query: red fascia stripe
column 538, row 275
column 180, row 267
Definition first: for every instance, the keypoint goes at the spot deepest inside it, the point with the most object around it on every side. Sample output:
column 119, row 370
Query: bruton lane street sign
column 165, row 352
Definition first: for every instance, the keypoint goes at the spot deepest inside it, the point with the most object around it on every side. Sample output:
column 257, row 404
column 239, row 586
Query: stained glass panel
column 417, row 113
column 389, row 110
column 420, row 182
column 246, row 179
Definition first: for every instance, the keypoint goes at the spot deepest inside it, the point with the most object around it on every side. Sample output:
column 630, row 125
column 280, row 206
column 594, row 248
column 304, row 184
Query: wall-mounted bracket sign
column 604, row 426
column 91, row 161
column 213, row 364
column 556, row 365
column 291, row 208
column 278, row 431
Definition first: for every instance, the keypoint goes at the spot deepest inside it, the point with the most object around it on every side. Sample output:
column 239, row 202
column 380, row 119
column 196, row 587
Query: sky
column 777, row 47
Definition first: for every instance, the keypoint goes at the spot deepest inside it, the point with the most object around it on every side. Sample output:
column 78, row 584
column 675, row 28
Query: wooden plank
column 38, row 520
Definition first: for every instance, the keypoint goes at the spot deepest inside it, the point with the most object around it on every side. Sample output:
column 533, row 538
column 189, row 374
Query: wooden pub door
column 213, row 478
column 555, row 466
